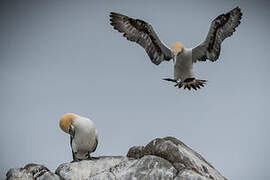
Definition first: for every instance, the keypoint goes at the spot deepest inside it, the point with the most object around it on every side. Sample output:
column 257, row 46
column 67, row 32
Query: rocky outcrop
column 163, row 158
column 32, row 171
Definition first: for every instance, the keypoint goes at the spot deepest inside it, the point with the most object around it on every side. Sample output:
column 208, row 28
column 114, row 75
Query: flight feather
column 221, row 27
column 141, row 32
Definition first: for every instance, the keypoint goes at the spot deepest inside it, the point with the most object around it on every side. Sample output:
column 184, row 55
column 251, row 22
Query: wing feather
column 95, row 146
column 142, row 33
column 221, row 27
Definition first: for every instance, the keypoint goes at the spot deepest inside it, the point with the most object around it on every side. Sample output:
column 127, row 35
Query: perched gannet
column 83, row 135
column 142, row 32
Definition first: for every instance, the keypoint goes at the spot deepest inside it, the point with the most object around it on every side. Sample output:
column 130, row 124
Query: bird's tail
column 191, row 83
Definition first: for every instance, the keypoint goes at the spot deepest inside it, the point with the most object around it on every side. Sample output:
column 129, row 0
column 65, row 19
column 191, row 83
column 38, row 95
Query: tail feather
column 189, row 83
column 171, row 80
column 192, row 84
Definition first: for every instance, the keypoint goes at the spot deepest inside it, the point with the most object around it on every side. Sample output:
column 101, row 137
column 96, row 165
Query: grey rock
column 120, row 168
column 31, row 171
column 163, row 158
column 19, row 173
column 136, row 152
column 189, row 164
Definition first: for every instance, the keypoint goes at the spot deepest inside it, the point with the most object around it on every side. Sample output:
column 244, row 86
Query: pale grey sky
column 61, row 56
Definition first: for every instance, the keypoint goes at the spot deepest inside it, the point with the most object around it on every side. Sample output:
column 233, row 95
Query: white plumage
column 141, row 32
column 183, row 65
column 83, row 135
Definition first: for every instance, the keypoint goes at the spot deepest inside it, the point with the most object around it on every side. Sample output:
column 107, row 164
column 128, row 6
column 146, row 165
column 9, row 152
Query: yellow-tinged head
column 177, row 48
column 66, row 121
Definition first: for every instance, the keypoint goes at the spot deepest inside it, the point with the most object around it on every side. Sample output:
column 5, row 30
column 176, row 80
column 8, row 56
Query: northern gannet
column 83, row 135
column 141, row 32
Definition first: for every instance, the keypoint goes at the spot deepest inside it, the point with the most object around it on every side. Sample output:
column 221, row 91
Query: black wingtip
column 115, row 14
column 237, row 8
column 171, row 80
column 111, row 14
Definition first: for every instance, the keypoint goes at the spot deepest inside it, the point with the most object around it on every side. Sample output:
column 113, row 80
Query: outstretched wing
column 221, row 27
column 142, row 33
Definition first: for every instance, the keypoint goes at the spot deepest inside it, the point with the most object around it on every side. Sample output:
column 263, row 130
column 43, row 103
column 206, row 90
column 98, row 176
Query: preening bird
column 83, row 135
column 141, row 32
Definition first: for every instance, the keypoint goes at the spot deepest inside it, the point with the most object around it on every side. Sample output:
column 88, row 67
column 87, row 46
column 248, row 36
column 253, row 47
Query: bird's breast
column 85, row 135
column 183, row 65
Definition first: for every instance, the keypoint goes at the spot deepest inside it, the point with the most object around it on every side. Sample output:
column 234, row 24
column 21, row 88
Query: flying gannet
column 83, row 135
column 141, row 32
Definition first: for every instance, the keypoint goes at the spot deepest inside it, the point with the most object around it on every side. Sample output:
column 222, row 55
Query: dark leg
column 171, row 80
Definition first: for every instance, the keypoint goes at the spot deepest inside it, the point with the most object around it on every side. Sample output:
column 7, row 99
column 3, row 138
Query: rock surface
column 163, row 158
